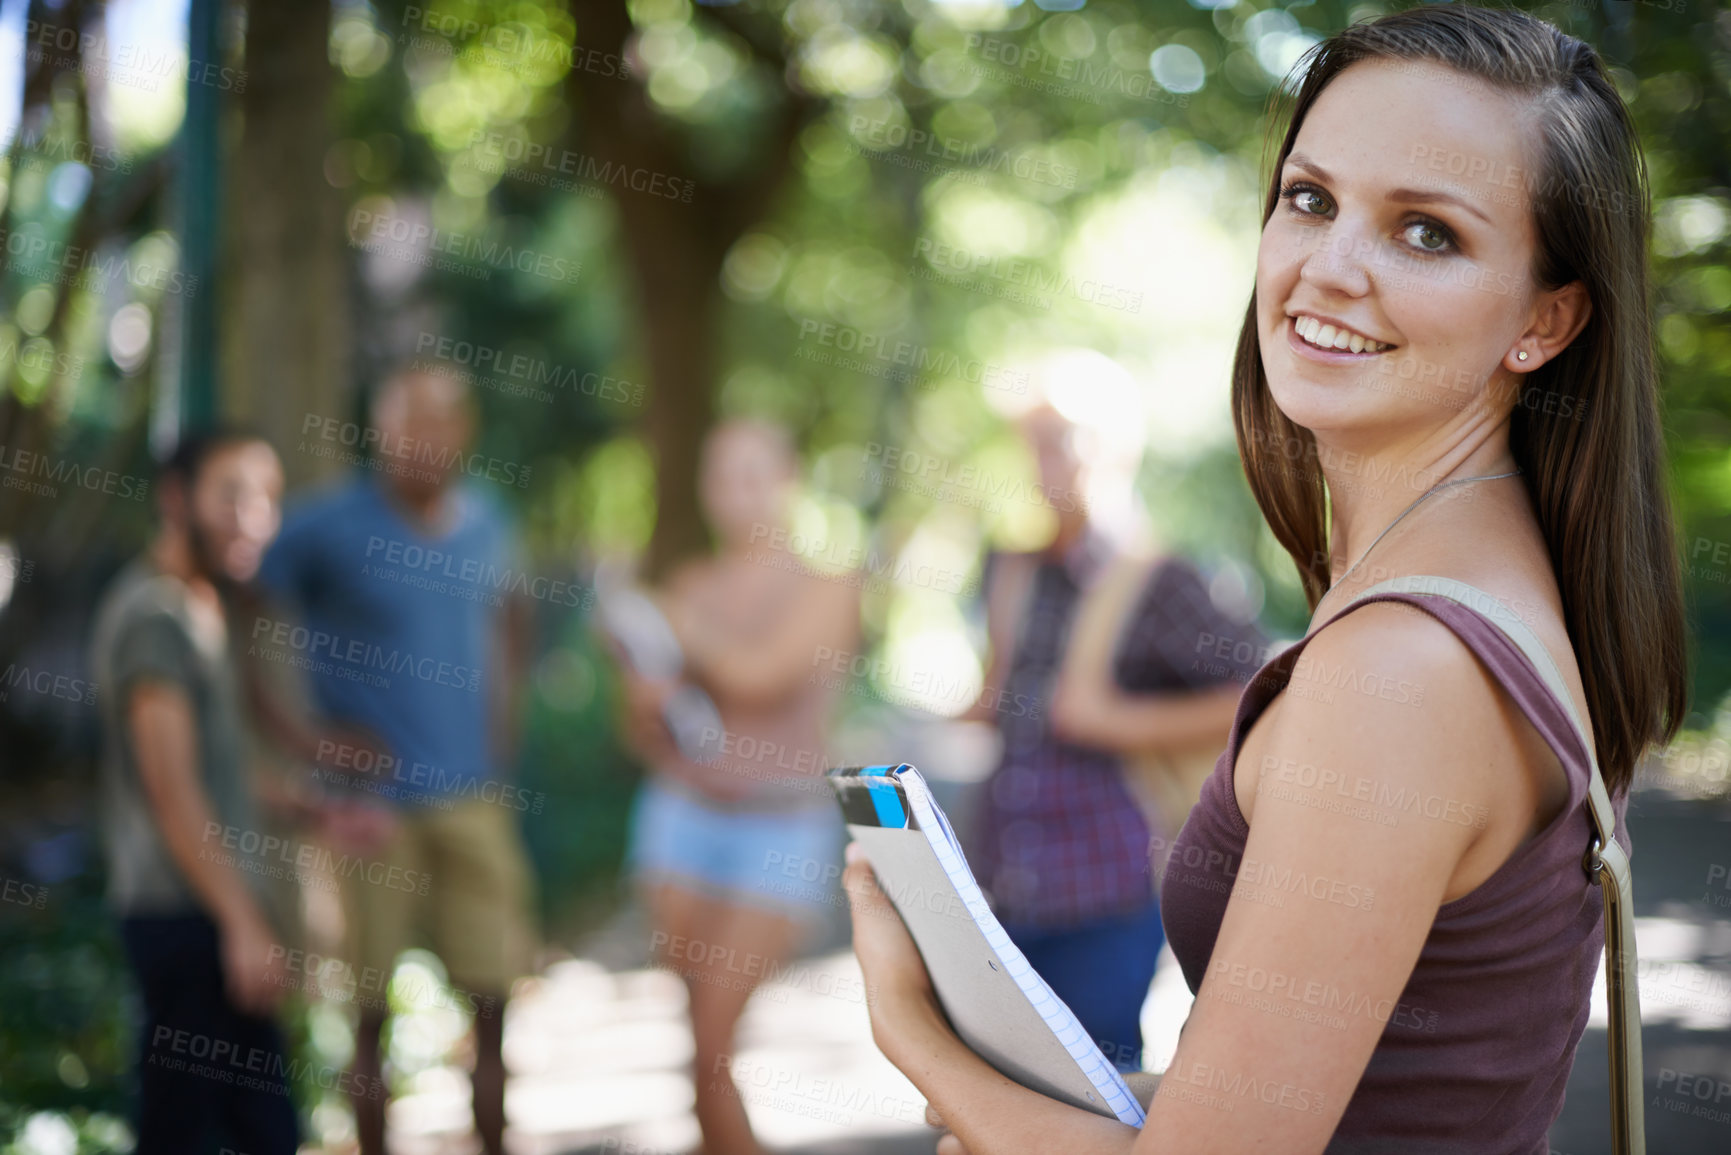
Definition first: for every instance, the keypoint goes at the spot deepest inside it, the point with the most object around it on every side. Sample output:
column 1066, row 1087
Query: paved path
column 1683, row 928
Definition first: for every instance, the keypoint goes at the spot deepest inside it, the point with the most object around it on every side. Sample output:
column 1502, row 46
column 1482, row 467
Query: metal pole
column 199, row 204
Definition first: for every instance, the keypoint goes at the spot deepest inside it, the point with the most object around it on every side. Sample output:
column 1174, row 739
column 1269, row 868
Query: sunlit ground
column 1675, row 987
column 598, row 1056
column 601, row 1060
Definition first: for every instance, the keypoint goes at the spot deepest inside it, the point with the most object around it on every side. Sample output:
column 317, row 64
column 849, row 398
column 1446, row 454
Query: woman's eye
column 1305, row 199
column 1430, row 237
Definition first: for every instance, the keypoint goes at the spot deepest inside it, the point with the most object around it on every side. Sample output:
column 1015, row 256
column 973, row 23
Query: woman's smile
column 1330, row 342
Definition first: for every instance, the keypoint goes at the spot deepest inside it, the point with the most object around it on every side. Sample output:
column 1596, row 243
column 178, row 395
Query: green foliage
column 579, row 780
column 69, row 1031
column 66, row 1035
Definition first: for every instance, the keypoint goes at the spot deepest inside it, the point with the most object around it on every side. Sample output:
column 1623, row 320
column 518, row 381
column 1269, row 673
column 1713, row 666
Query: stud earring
column 1521, row 356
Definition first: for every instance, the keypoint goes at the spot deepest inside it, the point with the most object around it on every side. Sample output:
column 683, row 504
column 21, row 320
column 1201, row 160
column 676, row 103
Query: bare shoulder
column 1384, row 702
column 1392, row 665
column 1392, row 720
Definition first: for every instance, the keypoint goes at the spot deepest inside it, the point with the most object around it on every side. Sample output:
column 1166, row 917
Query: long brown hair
column 1597, row 483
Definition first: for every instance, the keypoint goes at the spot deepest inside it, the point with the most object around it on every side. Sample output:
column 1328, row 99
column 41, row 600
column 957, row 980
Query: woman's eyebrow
column 1401, row 195
column 1304, row 162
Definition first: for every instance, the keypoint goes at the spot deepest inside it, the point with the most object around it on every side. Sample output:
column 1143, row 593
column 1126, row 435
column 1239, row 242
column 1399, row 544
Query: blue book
column 997, row 1003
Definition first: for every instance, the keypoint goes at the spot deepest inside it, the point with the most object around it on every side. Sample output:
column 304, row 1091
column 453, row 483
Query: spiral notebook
column 996, row 1001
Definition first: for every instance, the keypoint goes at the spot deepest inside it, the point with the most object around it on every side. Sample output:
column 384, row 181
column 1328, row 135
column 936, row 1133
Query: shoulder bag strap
column 1605, row 861
column 1011, row 592
column 1165, row 782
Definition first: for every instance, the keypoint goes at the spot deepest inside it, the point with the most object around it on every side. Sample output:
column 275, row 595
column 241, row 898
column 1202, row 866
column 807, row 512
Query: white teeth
column 1328, row 337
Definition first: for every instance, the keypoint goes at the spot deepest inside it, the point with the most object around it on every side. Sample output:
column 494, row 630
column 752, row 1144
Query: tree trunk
column 678, row 299
column 676, row 249
column 286, row 339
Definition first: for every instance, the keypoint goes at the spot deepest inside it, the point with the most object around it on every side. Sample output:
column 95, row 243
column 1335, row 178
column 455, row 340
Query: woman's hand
column 948, row 1144
column 643, row 728
column 994, row 1113
column 898, row 987
column 1144, row 1085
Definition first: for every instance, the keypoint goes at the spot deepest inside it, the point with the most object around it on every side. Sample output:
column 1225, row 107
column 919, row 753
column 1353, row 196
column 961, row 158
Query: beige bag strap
column 1100, row 617
column 1605, row 862
column 1009, row 596
column 1166, row 784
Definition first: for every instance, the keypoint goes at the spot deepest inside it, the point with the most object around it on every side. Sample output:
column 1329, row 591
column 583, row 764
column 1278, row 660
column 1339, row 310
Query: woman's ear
column 1559, row 315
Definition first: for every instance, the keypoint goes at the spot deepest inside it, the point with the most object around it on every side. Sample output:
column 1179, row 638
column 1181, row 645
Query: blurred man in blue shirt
column 408, row 591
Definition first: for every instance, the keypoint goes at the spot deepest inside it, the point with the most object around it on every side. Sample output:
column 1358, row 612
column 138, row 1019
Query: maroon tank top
column 1476, row 1054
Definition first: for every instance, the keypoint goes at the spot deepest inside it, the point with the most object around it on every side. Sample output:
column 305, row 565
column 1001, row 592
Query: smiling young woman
column 1395, row 946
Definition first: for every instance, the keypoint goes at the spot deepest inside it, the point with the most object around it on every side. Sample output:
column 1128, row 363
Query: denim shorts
column 788, row 861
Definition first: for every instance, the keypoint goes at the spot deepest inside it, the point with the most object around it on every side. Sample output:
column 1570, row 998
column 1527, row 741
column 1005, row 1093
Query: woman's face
column 746, row 479
column 1403, row 221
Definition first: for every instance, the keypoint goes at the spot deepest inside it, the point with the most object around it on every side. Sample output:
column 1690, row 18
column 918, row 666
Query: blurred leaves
column 66, row 1037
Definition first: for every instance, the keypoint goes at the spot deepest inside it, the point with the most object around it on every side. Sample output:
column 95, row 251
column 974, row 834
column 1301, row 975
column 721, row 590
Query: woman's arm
column 1327, row 916
column 640, row 724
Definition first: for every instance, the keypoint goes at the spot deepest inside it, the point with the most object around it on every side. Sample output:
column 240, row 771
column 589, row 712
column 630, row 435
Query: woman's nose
column 1340, row 260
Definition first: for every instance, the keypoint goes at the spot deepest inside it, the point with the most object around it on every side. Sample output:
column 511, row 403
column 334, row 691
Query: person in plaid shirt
column 1061, row 845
